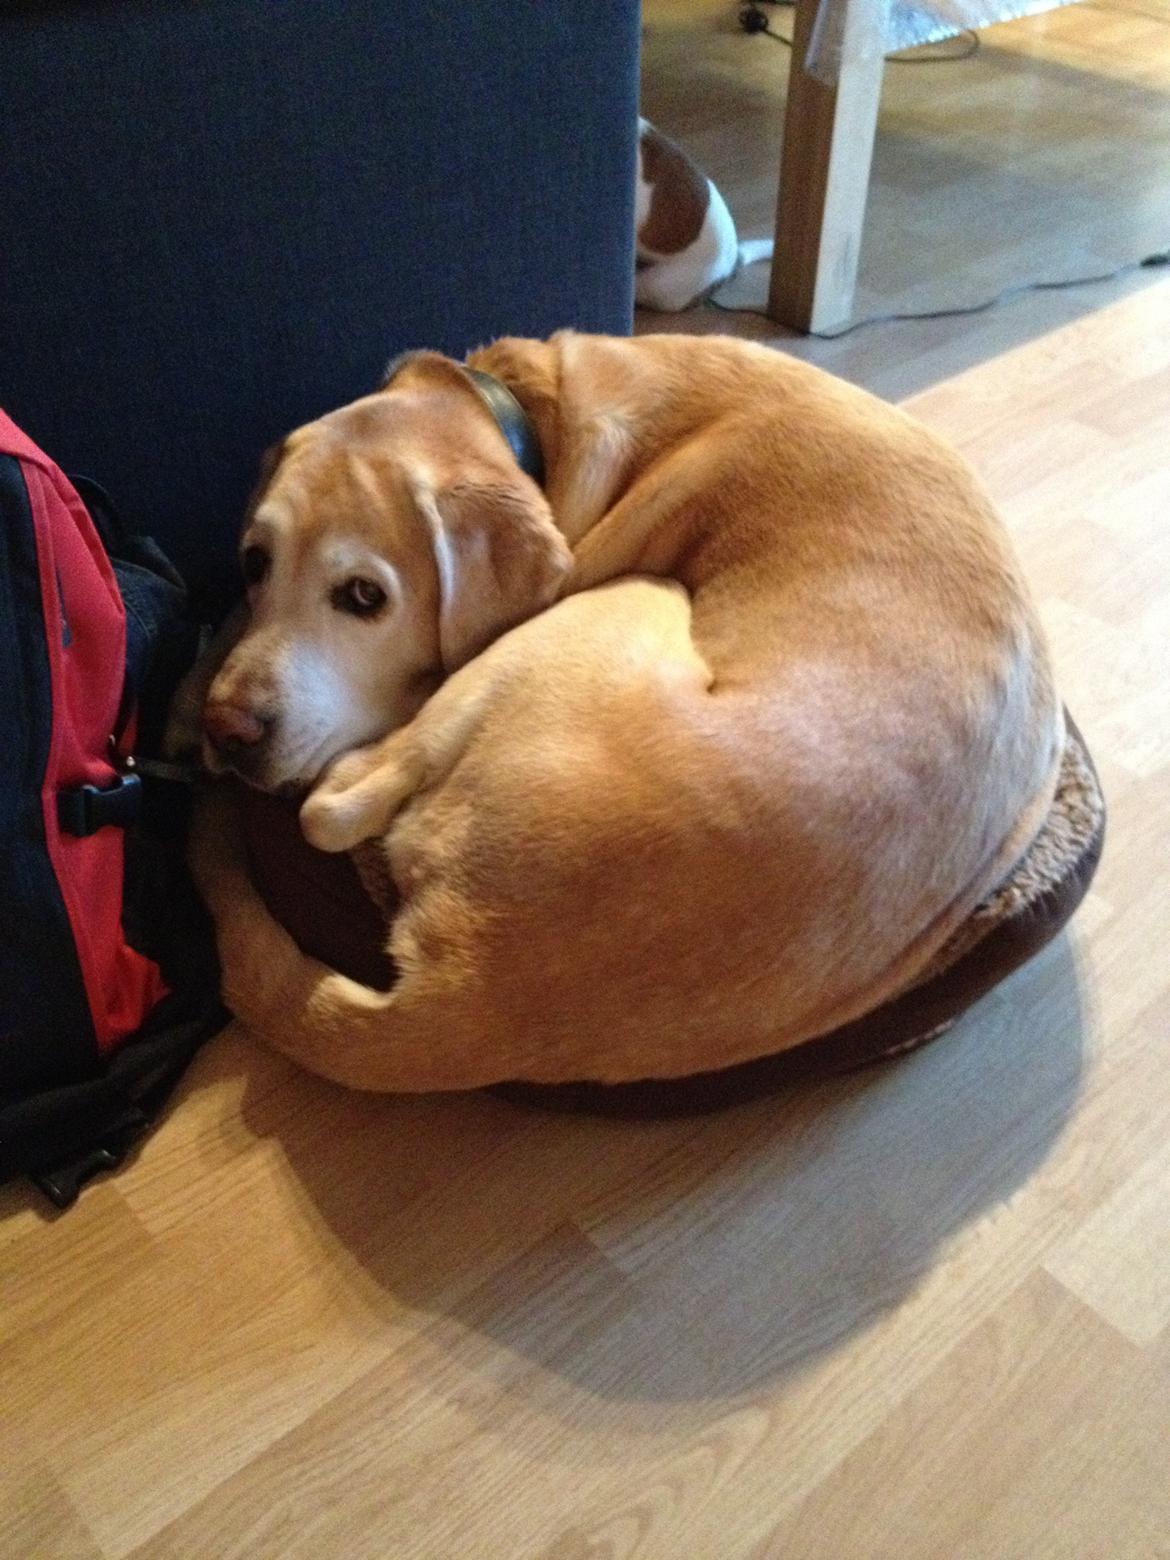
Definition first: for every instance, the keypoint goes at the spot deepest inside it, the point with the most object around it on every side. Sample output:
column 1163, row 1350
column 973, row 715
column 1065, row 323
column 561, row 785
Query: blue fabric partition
column 222, row 217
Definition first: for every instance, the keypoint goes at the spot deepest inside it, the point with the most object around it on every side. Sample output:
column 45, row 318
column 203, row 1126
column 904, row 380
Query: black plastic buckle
column 63, row 1182
column 88, row 808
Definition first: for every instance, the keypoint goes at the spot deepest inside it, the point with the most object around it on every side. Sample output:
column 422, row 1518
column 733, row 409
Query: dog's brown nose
column 234, row 732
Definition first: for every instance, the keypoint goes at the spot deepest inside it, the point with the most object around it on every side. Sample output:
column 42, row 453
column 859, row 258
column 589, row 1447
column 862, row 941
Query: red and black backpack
column 108, row 981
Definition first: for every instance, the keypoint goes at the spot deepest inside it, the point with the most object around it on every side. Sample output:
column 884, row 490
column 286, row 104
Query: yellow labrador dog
column 697, row 751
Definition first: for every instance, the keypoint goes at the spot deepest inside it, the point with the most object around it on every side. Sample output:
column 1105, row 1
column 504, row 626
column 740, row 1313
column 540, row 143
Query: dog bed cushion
column 336, row 908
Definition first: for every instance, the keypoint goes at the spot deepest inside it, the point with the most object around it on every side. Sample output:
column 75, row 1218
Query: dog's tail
column 753, row 249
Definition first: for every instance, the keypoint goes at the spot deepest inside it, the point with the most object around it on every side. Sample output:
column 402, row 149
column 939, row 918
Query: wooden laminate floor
column 1042, row 157
column 920, row 1312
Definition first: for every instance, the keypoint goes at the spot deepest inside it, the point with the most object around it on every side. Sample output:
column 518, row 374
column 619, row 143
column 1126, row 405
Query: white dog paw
column 356, row 800
column 333, row 823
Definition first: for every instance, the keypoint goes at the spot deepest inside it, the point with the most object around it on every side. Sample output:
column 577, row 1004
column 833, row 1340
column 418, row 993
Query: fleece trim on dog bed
column 336, row 909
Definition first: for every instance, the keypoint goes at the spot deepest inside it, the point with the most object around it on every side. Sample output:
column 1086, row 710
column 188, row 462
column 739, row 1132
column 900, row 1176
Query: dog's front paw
column 333, row 823
column 183, row 734
column 356, row 799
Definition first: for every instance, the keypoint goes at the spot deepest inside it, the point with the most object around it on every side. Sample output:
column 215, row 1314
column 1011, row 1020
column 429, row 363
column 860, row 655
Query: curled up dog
column 698, row 746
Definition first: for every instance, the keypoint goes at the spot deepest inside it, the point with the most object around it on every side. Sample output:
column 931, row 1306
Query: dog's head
column 386, row 545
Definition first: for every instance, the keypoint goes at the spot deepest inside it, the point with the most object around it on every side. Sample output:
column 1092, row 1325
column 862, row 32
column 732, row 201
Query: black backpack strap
column 62, row 1137
column 102, row 511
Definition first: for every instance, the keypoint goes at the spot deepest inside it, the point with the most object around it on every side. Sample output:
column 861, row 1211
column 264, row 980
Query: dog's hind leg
column 424, row 1034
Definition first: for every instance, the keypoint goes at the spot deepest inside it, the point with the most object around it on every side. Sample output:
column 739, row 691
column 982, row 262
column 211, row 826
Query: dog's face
column 388, row 543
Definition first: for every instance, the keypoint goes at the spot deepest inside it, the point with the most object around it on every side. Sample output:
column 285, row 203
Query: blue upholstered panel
column 220, row 219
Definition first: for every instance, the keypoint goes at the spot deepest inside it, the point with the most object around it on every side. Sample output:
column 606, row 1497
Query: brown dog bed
column 336, row 909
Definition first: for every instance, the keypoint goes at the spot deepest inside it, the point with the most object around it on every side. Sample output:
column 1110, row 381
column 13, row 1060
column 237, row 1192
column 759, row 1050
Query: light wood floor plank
column 964, row 1466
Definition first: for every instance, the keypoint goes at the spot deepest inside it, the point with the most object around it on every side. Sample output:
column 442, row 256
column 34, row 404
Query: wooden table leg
column 824, row 181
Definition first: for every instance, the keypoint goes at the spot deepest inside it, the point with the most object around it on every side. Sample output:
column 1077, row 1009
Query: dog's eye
column 360, row 597
column 255, row 563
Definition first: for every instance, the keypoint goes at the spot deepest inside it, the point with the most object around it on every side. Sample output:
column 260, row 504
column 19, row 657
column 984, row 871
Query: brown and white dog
column 701, row 750
column 686, row 238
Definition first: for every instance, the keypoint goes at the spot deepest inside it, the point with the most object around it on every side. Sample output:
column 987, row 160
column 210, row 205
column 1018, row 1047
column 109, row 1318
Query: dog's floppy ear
column 423, row 361
column 269, row 461
column 398, row 363
column 499, row 557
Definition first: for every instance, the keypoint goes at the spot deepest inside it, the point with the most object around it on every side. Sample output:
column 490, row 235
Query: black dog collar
column 513, row 421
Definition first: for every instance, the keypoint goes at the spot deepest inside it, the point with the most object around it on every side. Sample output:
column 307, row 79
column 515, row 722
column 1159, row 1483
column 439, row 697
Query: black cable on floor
column 1159, row 258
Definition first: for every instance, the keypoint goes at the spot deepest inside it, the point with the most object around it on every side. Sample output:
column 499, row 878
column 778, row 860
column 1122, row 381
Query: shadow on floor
column 664, row 1263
